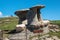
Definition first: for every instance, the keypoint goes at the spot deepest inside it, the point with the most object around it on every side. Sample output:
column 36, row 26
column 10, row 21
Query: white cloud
column 1, row 14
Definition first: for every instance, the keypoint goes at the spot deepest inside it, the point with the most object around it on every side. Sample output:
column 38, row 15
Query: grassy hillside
column 8, row 23
column 56, row 22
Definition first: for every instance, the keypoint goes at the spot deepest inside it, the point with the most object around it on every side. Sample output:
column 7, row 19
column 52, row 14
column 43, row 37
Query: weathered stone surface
column 5, row 39
column 55, row 37
column 20, row 27
column 21, row 36
column 45, row 30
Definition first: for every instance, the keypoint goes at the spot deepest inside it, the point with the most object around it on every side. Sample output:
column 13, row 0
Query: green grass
column 54, row 34
column 8, row 25
column 56, row 22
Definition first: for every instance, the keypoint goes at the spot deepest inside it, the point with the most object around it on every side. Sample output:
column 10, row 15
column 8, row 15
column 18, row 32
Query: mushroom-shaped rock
column 34, row 15
column 22, row 15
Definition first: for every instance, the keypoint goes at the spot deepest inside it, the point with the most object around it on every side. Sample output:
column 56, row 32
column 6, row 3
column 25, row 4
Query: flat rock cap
column 38, row 6
column 21, row 11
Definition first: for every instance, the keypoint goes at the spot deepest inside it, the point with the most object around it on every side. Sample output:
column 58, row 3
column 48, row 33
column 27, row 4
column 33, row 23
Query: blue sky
column 51, row 10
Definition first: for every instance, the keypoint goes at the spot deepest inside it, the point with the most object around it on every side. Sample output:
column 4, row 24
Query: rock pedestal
column 34, row 19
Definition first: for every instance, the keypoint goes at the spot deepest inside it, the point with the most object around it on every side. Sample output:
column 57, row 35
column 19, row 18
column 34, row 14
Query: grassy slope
column 13, row 21
column 56, row 22
column 55, row 34
column 8, row 25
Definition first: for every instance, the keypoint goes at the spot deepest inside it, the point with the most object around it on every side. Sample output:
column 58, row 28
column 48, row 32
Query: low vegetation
column 55, row 34
column 8, row 23
column 57, row 22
